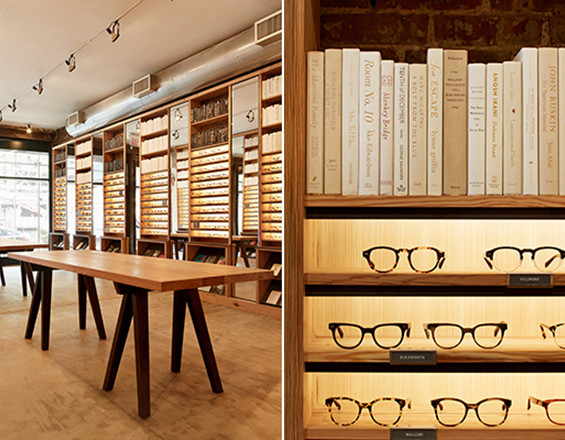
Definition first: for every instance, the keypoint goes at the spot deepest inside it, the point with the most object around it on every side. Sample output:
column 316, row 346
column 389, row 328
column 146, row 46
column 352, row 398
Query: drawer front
column 179, row 117
column 179, row 136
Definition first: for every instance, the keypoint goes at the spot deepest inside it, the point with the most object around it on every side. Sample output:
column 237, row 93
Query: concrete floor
column 57, row 394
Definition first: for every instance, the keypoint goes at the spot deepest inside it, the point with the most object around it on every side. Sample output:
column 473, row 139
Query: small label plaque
column 412, row 357
column 413, row 433
column 528, row 280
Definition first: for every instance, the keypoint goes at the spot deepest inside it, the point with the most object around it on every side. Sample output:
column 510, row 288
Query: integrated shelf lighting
column 28, row 129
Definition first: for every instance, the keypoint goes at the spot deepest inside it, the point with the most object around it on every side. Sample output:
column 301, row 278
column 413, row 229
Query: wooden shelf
column 210, row 121
column 272, row 127
column 271, row 99
column 154, row 133
column 162, row 152
column 340, row 201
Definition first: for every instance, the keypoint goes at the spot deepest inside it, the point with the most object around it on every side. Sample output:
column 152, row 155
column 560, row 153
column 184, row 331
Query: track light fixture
column 28, row 129
column 114, row 30
column 71, row 63
column 39, row 87
column 178, row 114
column 12, row 106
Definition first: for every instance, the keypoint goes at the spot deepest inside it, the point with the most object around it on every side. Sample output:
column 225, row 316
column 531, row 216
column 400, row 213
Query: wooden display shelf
column 272, row 127
column 210, row 121
column 155, row 133
column 271, row 100
column 59, row 241
column 340, row 201
column 217, row 144
column 161, row 152
column 519, row 426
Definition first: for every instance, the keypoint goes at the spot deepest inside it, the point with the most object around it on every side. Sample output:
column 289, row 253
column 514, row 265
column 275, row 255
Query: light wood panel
column 158, row 274
column 9, row 244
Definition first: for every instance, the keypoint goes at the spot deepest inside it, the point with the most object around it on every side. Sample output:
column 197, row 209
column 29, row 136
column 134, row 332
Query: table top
column 9, row 244
column 159, row 274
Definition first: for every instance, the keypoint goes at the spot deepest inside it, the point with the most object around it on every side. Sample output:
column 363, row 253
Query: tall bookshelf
column 119, row 159
column 59, row 238
column 155, row 185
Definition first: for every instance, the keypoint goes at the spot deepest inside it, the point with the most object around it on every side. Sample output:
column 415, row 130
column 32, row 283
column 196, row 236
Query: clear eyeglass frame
column 554, row 260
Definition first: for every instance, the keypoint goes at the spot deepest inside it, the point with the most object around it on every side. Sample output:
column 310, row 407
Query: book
column 332, row 122
column 400, row 153
column 493, row 133
column 528, row 57
column 512, row 128
column 455, row 122
column 386, row 126
column 315, row 123
column 350, row 122
column 274, row 297
column 561, row 118
column 548, row 121
column 435, row 122
column 369, row 122
column 476, row 128
column 417, row 129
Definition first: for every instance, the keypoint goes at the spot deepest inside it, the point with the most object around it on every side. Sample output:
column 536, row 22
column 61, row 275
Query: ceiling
column 36, row 35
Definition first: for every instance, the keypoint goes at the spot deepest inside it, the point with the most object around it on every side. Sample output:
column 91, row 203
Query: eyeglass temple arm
column 426, row 331
column 541, row 326
column 489, row 264
column 548, row 262
column 332, row 400
column 535, row 401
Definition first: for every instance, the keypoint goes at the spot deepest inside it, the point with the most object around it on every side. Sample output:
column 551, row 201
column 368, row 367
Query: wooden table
column 134, row 276
column 11, row 245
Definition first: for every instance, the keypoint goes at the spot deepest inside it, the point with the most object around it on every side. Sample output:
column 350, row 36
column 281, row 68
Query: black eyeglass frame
column 439, row 263
column 369, row 405
column 475, row 406
column 489, row 255
column 431, row 327
column 335, row 327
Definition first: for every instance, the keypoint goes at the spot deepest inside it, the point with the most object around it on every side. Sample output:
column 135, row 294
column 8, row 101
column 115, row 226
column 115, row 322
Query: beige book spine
column 512, row 128
column 315, row 123
column 494, row 118
column 350, row 122
column 435, row 122
column 332, row 122
column 417, row 159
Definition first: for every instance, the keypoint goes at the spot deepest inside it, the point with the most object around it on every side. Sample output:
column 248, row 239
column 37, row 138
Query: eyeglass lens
column 351, row 335
column 556, row 412
column 345, row 411
column 449, row 336
column 421, row 259
column 452, row 412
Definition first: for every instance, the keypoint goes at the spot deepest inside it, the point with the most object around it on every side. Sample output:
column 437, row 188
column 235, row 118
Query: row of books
column 212, row 259
column 210, row 109
column 446, row 127
column 272, row 114
column 83, row 147
column 60, row 171
column 114, row 165
column 60, row 156
column 153, row 125
column 115, row 143
column 211, row 136
column 159, row 143
column 272, row 142
column 272, row 87
column 84, row 162
column 154, row 164
column 83, row 177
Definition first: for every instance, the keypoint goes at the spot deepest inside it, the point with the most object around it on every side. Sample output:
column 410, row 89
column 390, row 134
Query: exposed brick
column 416, row 55
column 451, row 31
column 557, row 29
column 502, row 5
column 521, row 5
column 433, row 5
column 518, row 30
column 491, row 55
column 373, row 28
column 345, row 3
column 547, row 6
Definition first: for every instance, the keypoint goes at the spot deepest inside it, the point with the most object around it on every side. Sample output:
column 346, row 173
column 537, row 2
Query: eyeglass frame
column 474, row 406
column 361, row 405
column 432, row 326
column 552, row 329
column 439, row 264
column 404, row 328
column 490, row 263
column 545, row 405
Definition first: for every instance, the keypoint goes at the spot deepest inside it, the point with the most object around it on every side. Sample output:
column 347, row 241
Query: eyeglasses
column 554, row 409
column 490, row 412
column 422, row 259
column 509, row 258
column 386, row 336
column 448, row 335
column 385, row 411
column 558, row 332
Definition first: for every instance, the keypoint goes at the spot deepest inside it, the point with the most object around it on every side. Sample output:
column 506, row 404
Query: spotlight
column 12, row 106
column 28, row 130
column 39, row 87
column 178, row 114
column 114, row 30
column 71, row 63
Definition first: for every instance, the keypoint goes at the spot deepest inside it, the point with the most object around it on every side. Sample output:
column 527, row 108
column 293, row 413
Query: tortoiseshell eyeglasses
column 558, row 332
column 554, row 409
column 422, row 259
column 491, row 412
column 385, row 411
column 510, row 258
column 386, row 336
column 448, row 335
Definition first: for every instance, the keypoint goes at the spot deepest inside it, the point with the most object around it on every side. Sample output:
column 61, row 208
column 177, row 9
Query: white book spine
column 512, row 128
column 548, row 121
column 561, row 118
column 417, row 136
column 476, row 128
column 400, row 154
column 315, row 123
column 350, row 121
column 369, row 122
column 435, row 122
column 494, row 118
column 332, row 122
column 528, row 56
column 387, row 125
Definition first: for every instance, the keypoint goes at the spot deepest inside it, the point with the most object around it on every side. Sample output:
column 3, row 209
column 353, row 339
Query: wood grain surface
column 9, row 244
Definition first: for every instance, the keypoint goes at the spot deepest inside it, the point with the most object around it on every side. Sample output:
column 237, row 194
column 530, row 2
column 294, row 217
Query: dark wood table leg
column 24, row 280
column 95, row 306
column 81, row 287
column 179, row 313
column 141, row 332
column 34, row 306
column 29, row 272
column 46, row 279
column 201, row 329
column 2, row 272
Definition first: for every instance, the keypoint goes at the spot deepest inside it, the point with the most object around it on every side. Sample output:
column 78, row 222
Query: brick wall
column 491, row 30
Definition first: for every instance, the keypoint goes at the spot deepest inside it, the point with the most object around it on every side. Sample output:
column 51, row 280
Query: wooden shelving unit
column 270, row 292
column 180, row 156
column 59, row 238
column 250, row 184
column 154, row 162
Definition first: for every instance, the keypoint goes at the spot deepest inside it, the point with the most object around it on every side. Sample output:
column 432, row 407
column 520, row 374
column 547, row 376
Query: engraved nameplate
column 412, row 357
column 525, row 280
column 413, row 433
